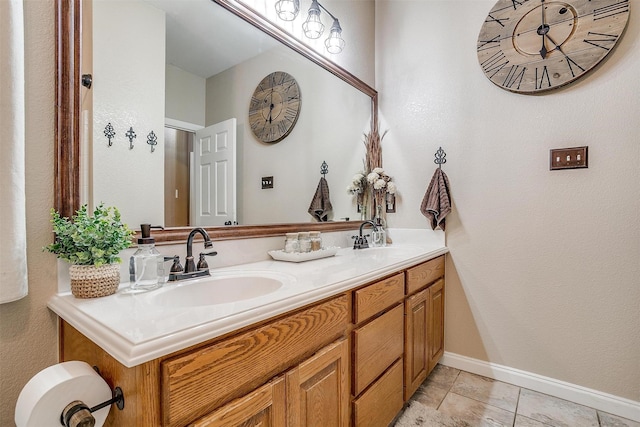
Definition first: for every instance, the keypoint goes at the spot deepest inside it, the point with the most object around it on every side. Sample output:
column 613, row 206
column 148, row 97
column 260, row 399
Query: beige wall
column 27, row 328
column 544, row 268
column 128, row 91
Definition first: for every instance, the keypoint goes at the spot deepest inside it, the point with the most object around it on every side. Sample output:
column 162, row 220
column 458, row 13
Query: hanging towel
column 436, row 204
column 320, row 204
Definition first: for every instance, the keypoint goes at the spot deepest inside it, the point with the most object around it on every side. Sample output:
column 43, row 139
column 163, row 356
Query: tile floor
column 454, row 398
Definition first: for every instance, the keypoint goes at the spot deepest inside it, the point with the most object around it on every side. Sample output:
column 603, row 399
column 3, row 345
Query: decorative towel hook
column 440, row 158
column 152, row 140
column 324, row 169
column 109, row 133
column 131, row 135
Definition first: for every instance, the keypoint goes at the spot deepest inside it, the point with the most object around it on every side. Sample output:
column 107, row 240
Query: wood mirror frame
column 67, row 127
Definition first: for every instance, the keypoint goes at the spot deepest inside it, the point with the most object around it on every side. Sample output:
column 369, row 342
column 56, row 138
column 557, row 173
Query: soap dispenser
column 148, row 263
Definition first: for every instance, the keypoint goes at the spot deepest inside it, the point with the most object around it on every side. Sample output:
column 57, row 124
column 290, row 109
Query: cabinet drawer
column 196, row 383
column 421, row 275
column 376, row 345
column 379, row 405
column 375, row 298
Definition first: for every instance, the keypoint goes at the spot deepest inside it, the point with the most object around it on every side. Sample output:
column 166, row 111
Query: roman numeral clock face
column 275, row 107
column 530, row 46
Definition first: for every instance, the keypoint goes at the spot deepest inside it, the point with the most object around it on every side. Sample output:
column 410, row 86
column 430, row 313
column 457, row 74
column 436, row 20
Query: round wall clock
column 531, row 46
column 275, row 107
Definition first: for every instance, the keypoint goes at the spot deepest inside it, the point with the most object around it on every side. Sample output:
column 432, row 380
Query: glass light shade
column 335, row 42
column 313, row 26
column 287, row 10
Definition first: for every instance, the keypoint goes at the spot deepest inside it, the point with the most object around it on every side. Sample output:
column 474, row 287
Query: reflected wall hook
column 324, row 169
column 109, row 133
column 440, row 158
column 131, row 135
column 152, row 140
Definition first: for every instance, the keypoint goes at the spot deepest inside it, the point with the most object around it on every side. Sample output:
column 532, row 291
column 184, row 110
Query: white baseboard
column 609, row 403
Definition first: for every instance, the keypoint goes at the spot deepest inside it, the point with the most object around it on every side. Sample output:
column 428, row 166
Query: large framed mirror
column 71, row 160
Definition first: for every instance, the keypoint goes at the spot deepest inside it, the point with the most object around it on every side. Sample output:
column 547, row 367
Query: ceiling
column 205, row 39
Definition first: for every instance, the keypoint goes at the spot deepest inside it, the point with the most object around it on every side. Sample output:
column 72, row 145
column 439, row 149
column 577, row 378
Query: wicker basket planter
column 89, row 281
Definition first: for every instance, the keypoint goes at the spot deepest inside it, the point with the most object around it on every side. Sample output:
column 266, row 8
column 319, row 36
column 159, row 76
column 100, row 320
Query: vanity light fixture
column 313, row 27
column 287, row 9
column 335, row 42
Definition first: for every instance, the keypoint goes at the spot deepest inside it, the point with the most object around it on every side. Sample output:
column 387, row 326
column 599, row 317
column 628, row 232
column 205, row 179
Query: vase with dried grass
column 91, row 244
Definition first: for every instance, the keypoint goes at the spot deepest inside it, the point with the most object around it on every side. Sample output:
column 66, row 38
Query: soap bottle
column 379, row 236
column 148, row 263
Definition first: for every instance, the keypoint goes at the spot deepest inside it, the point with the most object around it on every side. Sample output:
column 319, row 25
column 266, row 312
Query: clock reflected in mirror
column 274, row 107
column 533, row 46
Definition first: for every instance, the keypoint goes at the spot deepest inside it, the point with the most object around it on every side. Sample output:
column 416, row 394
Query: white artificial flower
column 373, row 177
column 379, row 171
column 391, row 188
column 379, row 184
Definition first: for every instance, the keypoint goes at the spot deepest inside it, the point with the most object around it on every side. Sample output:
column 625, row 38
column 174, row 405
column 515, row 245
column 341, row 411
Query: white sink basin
column 220, row 288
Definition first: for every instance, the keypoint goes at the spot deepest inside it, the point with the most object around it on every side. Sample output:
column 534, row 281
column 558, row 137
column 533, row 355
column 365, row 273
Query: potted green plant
column 91, row 244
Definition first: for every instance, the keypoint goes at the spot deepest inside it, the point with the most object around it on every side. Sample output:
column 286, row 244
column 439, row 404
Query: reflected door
column 177, row 149
column 214, row 183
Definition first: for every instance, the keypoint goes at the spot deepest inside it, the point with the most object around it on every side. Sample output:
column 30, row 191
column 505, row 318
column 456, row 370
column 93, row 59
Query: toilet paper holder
column 78, row 414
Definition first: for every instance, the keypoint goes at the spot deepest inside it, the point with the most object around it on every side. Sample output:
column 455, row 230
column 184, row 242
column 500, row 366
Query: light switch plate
column 568, row 158
column 267, row 182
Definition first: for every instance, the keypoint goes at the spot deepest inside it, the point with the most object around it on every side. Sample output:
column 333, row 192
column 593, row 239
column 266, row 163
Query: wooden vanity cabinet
column 351, row 360
column 424, row 322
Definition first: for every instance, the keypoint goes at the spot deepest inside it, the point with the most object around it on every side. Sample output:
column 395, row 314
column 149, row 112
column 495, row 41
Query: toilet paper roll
column 45, row 396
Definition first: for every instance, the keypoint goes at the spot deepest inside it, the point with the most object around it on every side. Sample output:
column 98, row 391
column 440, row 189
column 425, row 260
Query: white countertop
column 134, row 329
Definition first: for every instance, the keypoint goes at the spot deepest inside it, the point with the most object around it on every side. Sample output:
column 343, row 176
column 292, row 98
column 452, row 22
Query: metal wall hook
column 440, row 158
column 152, row 140
column 131, row 135
column 324, row 169
column 109, row 133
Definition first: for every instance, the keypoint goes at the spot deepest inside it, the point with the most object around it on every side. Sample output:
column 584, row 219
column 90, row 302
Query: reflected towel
column 320, row 204
column 436, row 204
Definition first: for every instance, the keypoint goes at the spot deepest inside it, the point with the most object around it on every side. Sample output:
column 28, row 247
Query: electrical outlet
column 267, row 182
column 568, row 158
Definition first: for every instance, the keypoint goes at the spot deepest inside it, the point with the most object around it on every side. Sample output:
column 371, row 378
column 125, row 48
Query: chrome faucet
column 360, row 241
column 190, row 269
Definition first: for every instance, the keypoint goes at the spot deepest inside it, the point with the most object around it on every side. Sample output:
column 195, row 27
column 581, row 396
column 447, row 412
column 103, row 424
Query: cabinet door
column 264, row 407
column 318, row 389
column 417, row 352
column 436, row 323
